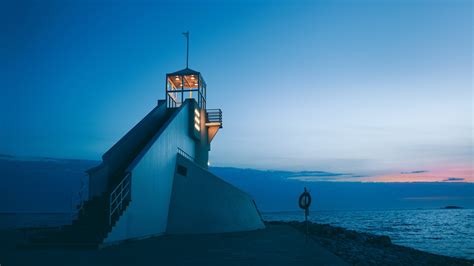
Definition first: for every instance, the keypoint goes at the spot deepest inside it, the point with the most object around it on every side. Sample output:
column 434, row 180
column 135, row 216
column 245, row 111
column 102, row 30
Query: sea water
column 442, row 231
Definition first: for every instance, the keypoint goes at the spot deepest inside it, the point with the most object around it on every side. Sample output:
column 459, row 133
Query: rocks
column 382, row 241
column 367, row 249
column 350, row 234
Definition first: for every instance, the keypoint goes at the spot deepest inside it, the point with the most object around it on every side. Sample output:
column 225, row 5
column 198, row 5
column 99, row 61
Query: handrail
column 191, row 158
column 118, row 195
column 186, row 155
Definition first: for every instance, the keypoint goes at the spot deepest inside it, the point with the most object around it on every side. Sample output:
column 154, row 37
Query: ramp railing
column 191, row 158
column 118, row 197
column 186, row 155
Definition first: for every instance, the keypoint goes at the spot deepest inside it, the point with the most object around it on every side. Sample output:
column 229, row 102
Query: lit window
column 197, row 120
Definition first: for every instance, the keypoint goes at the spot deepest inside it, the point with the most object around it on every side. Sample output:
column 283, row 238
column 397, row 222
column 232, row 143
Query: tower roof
column 186, row 71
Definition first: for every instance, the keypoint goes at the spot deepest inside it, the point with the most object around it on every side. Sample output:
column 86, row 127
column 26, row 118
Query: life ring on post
column 304, row 200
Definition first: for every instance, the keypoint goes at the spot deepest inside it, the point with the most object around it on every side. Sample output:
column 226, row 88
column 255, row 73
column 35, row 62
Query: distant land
column 47, row 185
column 452, row 207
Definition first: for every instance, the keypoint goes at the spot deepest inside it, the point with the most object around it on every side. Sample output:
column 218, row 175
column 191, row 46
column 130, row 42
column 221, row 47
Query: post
column 186, row 34
column 306, row 221
column 304, row 202
column 182, row 90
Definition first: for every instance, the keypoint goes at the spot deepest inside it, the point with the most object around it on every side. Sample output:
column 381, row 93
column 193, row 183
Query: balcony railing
column 214, row 117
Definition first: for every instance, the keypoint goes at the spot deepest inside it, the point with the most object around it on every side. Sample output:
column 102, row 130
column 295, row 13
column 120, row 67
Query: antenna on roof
column 186, row 34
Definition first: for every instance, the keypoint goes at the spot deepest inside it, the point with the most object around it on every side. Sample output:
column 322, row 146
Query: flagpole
column 186, row 34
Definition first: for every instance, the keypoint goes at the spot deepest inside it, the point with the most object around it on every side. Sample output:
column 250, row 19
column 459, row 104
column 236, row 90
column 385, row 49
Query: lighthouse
column 155, row 179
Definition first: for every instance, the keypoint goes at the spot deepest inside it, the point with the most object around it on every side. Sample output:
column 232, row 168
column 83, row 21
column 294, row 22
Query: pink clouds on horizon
column 448, row 173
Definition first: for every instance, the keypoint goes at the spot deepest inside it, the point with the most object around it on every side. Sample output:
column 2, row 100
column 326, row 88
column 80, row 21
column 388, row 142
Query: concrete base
column 203, row 203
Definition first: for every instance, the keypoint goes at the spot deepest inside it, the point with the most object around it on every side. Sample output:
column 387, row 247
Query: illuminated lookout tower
column 188, row 84
column 185, row 84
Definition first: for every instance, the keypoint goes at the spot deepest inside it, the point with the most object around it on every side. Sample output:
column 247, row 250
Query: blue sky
column 366, row 87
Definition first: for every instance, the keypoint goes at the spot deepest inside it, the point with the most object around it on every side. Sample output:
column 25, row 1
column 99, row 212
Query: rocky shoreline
column 359, row 248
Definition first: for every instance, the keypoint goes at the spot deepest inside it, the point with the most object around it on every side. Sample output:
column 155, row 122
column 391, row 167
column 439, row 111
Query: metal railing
column 186, row 155
column 119, row 195
column 214, row 116
column 191, row 158
column 171, row 102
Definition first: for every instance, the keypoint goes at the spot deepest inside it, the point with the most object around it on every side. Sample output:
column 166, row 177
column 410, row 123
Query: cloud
column 322, row 176
column 449, row 179
column 414, row 172
column 316, row 173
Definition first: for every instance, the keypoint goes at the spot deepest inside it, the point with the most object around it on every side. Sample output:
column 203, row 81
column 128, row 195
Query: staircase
column 94, row 221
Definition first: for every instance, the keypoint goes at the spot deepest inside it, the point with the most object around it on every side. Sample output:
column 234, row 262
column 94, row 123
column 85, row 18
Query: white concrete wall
column 152, row 179
column 203, row 203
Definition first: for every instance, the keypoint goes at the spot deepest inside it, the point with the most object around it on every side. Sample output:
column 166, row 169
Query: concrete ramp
column 121, row 154
column 203, row 203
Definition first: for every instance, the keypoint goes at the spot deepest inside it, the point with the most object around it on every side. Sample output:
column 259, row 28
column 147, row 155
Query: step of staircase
column 88, row 230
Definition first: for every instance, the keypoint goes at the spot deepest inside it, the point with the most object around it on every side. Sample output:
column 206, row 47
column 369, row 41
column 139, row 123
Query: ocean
column 442, row 231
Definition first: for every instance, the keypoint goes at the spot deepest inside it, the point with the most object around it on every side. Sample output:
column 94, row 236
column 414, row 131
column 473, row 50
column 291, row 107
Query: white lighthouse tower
column 155, row 179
